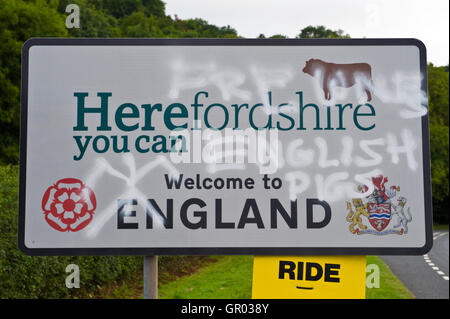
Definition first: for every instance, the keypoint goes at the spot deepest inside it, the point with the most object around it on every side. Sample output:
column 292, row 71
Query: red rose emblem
column 69, row 205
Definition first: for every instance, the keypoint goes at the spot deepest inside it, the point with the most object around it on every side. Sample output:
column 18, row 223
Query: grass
column 441, row 227
column 231, row 277
column 390, row 286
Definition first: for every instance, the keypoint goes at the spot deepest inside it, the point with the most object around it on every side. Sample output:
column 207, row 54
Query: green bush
column 24, row 276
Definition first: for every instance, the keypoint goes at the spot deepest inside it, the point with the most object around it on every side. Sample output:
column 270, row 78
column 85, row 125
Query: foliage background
column 24, row 277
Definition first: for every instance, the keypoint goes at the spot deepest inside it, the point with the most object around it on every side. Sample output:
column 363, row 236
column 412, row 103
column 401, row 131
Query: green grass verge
column 440, row 227
column 390, row 286
column 231, row 277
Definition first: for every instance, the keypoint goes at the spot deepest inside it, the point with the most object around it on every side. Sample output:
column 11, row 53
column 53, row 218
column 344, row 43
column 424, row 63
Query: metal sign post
column 150, row 277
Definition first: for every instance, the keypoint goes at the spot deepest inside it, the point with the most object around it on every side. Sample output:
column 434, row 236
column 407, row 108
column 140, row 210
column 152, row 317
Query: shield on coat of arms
column 379, row 215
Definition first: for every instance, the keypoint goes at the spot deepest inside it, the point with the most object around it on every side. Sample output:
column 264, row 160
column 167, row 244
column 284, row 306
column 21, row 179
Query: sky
column 426, row 20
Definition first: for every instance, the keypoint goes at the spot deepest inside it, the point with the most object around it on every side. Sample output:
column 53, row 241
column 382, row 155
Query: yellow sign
column 309, row 277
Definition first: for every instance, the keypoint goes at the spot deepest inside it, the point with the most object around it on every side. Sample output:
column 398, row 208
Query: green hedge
column 23, row 276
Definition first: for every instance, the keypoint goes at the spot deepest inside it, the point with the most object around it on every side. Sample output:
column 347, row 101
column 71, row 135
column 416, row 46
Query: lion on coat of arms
column 354, row 217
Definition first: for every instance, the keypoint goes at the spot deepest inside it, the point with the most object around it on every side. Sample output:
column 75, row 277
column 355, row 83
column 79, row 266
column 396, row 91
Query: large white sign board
column 224, row 147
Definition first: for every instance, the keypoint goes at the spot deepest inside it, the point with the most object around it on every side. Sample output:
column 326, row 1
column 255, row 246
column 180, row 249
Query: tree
column 19, row 21
column 438, row 79
column 156, row 8
column 321, row 32
column 278, row 36
column 439, row 144
column 119, row 9
column 94, row 23
column 199, row 28
column 139, row 25
column 438, row 96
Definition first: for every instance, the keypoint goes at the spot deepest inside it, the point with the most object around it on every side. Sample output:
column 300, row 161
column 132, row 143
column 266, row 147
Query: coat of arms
column 385, row 212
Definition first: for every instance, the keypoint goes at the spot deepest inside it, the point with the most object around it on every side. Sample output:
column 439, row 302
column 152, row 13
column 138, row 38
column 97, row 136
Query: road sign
column 309, row 277
column 164, row 146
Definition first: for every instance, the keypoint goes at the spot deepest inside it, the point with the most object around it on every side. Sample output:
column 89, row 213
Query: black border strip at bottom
column 223, row 251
